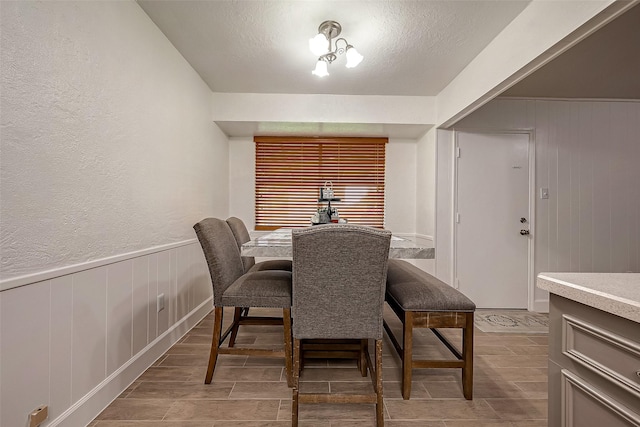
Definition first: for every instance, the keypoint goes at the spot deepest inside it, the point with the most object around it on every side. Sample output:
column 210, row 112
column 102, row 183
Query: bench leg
column 407, row 354
column 467, row 355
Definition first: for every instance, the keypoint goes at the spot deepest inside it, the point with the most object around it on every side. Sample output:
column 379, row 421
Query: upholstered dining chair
column 339, row 276
column 242, row 236
column 234, row 288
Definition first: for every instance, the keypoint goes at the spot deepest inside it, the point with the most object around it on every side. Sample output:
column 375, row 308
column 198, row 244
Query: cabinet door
column 583, row 405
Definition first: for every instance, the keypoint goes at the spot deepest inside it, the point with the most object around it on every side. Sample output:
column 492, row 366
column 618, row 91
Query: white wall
column 587, row 155
column 322, row 108
column 426, row 184
column 400, row 191
column 109, row 157
column 400, row 186
column 107, row 141
column 444, row 206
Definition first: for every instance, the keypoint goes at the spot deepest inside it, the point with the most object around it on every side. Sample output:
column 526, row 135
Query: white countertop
column 278, row 244
column 615, row 293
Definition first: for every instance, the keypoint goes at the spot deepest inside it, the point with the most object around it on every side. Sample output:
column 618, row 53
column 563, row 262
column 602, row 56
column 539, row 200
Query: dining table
column 278, row 244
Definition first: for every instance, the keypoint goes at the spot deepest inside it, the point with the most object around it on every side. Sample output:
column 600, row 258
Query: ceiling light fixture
column 327, row 51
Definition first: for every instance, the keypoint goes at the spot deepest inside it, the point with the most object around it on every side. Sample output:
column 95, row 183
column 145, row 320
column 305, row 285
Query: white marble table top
column 616, row 293
column 278, row 244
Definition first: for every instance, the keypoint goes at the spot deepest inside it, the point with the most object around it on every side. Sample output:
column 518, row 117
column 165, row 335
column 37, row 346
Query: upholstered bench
column 422, row 301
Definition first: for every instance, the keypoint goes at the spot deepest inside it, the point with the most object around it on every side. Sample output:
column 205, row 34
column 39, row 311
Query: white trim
column 83, row 411
column 435, row 195
column 453, row 204
column 542, row 98
column 28, row 279
column 454, row 211
column 541, row 306
column 531, row 267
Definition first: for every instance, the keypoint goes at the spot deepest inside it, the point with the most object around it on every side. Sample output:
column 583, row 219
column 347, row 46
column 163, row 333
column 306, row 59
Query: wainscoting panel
column 76, row 341
column 140, row 303
column 25, row 316
column 89, row 355
column 61, row 342
column 119, row 314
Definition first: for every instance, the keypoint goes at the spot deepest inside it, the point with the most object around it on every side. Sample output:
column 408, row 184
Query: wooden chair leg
column 362, row 361
column 407, row 354
column 236, row 322
column 215, row 343
column 467, row 355
column 378, row 373
column 286, row 320
column 296, row 382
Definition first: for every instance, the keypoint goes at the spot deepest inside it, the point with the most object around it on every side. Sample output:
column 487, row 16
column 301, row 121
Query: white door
column 492, row 205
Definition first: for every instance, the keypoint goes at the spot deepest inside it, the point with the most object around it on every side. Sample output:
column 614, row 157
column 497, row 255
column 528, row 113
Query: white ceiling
column 411, row 48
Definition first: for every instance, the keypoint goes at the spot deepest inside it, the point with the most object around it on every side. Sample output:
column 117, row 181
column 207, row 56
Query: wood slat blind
column 290, row 172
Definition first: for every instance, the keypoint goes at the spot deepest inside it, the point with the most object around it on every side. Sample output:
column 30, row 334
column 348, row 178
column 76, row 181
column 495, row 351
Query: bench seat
column 422, row 301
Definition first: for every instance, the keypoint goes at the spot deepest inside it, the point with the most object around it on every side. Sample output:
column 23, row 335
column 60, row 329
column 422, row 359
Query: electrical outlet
column 160, row 302
column 38, row 416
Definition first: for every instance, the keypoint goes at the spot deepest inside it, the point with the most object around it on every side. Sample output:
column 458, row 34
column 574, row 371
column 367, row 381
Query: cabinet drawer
column 584, row 405
column 609, row 355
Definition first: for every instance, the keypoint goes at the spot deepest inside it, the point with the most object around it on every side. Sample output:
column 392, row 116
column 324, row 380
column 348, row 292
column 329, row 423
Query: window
column 290, row 172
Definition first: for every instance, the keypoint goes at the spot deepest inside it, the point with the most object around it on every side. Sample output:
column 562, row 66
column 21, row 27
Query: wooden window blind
column 290, row 172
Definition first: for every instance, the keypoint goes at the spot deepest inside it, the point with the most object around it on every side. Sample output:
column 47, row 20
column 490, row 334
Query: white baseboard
column 541, row 306
column 94, row 402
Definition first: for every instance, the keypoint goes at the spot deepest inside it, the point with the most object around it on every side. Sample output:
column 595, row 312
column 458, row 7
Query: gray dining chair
column 339, row 276
column 242, row 236
column 232, row 287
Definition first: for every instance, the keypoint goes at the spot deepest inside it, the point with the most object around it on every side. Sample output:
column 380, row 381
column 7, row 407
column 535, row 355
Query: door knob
column 524, row 232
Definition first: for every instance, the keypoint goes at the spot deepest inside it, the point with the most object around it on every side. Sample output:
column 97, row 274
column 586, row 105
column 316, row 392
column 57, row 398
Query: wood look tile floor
column 510, row 386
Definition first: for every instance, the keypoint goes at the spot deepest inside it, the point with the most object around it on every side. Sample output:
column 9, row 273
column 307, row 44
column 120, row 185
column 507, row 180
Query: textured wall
column 107, row 141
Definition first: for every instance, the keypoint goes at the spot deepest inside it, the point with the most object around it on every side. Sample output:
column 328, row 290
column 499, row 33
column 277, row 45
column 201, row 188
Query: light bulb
column 353, row 57
column 321, row 69
column 319, row 45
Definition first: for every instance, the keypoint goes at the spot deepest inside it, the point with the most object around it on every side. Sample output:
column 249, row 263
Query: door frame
column 532, row 205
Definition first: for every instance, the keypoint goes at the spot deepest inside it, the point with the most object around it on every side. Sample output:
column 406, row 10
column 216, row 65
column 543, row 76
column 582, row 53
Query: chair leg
column 237, row 313
column 379, row 403
column 215, row 343
column 407, row 354
column 296, row 382
column 362, row 361
column 467, row 355
column 286, row 320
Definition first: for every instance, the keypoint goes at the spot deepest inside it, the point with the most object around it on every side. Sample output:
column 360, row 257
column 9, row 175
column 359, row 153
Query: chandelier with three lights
column 327, row 50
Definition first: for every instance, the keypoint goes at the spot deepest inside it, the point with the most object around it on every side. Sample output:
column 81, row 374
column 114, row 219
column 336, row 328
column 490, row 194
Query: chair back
column 339, row 277
column 241, row 234
column 222, row 255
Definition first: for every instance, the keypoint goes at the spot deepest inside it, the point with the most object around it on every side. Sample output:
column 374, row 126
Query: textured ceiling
column 410, row 47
